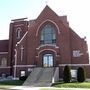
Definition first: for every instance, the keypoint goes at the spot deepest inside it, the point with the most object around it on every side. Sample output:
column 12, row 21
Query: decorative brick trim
column 47, row 21
column 47, row 45
column 47, row 49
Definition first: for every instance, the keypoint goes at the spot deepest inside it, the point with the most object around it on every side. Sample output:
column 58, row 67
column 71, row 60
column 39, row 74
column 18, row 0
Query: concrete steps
column 32, row 78
column 40, row 77
column 46, row 75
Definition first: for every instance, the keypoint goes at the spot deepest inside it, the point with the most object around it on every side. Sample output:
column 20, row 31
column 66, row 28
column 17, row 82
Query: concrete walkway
column 38, row 88
column 25, row 88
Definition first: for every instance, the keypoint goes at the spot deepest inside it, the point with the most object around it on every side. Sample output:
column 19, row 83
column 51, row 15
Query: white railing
column 56, row 75
column 22, row 38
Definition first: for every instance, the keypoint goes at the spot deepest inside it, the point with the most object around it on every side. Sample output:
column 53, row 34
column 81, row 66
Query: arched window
column 18, row 33
column 48, row 35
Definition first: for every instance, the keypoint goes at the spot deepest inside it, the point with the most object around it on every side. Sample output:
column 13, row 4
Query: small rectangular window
column 22, row 73
column 73, row 73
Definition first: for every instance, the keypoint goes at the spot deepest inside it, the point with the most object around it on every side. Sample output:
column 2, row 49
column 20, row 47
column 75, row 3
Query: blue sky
column 12, row 9
column 77, row 11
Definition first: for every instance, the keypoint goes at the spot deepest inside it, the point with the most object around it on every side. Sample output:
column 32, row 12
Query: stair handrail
column 55, row 75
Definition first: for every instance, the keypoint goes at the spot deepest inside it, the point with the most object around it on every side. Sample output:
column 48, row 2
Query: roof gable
column 46, row 13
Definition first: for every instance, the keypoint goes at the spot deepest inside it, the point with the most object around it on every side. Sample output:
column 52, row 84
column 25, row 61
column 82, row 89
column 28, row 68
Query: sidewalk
column 38, row 88
column 25, row 88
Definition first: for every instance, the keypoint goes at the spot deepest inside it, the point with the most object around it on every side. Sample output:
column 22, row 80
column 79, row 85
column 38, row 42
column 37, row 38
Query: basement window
column 73, row 73
column 22, row 73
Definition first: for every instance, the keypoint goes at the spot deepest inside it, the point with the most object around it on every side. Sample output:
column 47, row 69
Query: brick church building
column 47, row 41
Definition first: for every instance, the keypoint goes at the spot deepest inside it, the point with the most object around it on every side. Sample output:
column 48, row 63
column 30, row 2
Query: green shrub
column 81, row 74
column 23, row 78
column 66, row 74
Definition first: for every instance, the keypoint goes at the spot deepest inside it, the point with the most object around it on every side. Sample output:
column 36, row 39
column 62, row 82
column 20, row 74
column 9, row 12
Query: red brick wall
column 78, row 43
column 66, row 41
column 62, row 41
column 13, row 40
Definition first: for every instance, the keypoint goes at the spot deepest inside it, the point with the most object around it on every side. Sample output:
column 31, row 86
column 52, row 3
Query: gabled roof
column 47, row 11
column 74, row 33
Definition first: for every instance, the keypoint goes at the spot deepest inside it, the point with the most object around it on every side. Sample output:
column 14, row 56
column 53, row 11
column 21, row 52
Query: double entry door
column 48, row 60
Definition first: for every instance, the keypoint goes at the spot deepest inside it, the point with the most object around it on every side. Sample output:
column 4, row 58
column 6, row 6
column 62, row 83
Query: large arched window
column 48, row 35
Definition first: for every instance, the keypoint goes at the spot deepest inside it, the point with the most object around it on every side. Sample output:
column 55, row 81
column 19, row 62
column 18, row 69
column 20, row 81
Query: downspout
column 15, row 64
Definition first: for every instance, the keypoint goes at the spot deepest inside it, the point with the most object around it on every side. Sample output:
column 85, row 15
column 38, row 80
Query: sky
column 77, row 11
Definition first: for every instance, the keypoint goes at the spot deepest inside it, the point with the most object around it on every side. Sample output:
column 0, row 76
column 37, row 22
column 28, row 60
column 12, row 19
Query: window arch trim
column 48, row 20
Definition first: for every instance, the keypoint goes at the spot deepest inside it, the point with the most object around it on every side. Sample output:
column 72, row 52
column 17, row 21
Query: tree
column 81, row 74
column 66, row 74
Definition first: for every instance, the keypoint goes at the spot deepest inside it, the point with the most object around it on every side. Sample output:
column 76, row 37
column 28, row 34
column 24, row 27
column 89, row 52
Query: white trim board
column 3, row 52
column 74, row 64
column 24, row 65
column 22, row 38
column 5, row 67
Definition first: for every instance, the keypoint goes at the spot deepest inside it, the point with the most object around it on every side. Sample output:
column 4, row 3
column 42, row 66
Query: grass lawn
column 72, row 85
column 68, row 85
column 10, row 84
column 51, row 89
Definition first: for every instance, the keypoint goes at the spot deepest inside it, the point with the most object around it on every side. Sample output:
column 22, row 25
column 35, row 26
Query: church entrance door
column 48, row 60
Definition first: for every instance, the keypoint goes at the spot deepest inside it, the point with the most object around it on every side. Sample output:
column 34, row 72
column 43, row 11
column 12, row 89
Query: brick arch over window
column 50, row 21
column 47, row 50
